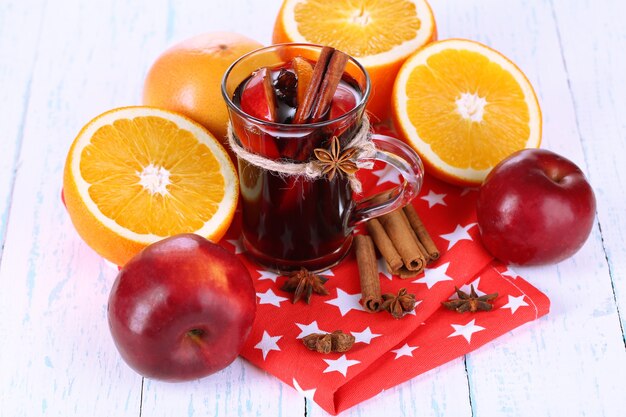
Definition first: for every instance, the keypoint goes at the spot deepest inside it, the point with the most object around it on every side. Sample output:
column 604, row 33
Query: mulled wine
column 290, row 221
column 287, row 104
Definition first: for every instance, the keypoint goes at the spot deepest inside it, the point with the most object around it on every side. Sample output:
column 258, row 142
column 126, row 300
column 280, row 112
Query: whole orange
column 187, row 78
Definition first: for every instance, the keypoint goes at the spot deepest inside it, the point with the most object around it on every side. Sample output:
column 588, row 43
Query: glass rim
column 346, row 115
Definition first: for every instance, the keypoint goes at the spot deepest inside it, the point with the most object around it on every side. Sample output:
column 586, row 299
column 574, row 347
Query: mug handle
column 400, row 156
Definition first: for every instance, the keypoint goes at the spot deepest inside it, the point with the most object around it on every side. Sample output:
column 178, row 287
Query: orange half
column 381, row 35
column 464, row 107
column 136, row 175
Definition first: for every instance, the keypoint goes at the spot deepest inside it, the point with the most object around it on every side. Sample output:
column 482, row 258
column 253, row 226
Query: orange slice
column 381, row 35
column 464, row 107
column 304, row 72
column 136, row 175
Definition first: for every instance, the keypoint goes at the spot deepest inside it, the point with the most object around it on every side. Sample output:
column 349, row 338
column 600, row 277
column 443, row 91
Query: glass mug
column 293, row 222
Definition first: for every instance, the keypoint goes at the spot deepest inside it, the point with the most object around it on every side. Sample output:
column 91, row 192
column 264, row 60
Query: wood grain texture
column 539, row 369
column 59, row 358
column 595, row 70
column 17, row 59
column 442, row 392
column 64, row 62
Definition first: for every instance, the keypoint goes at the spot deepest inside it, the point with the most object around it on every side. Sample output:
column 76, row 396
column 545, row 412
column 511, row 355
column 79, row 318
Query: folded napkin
column 388, row 351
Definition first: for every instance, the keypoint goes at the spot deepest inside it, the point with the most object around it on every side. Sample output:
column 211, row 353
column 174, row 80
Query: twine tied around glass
column 361, row 143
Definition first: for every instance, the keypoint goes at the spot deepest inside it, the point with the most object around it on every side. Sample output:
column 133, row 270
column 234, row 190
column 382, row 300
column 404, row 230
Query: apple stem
column 556, row 176
column 196, row 335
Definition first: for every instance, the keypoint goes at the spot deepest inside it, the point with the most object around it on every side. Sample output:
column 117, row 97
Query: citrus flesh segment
column 380, row 34
column 367, row 27
column 373, row 31
column 136, row 175
column 464, row 108
column 304, row 73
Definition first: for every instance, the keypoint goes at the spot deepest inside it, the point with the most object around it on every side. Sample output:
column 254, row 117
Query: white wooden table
column 63, row 62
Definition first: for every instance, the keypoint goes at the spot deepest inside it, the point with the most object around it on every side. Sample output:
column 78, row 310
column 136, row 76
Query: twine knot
column 356, row 154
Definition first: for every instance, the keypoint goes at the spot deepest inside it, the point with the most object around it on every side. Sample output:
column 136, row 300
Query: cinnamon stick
column 401, row 234
column 420, row 231
column 419, row 244
column 330, row 82
column 404, row 273
column 385, row 245
column 304, row 109
column 371, row 297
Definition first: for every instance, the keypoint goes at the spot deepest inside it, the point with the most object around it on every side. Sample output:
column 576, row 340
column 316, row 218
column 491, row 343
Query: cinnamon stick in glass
column 328, row 86
column 305, row 108
column 371, row 297
column 420, row 231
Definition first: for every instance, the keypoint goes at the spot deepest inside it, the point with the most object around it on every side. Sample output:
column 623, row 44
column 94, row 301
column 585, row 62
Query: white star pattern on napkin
column 433, row 199
column 267, row 275
column 405, row 350
column 467, row 288
column 327, row 273
column 307, row 329
column 509, row 273
column 238, row 244
column 412, row 312
column 309, row 393
column 387, row 174
column 340, row 365
column 459, row 234
column 365, row 336
column 269, row 297
column 515, row 303
column 434, row 275
column 268, row 343
column 346, row 302
column 466, row 330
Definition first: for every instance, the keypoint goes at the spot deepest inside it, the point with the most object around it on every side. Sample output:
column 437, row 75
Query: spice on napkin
column 387, row 351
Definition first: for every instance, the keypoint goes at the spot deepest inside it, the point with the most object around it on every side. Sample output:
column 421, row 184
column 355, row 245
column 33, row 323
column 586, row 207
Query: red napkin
column 388, row 351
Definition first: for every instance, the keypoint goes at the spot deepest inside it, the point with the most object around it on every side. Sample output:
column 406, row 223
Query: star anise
column 470, row 302
column 303, row 284
column 398, row 304
column 336, row 341
column 334, row 159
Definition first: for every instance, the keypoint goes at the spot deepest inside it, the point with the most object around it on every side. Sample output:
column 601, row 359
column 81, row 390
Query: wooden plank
column 253, row 19
column 57, row 354
column 565, row 363
column 595, row 65
column 240, row 389
column 440, row 392
column 18, row 51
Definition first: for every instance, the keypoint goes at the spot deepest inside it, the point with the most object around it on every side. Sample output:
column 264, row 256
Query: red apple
column 535, row 207
column 258, row 98
column 181, row 309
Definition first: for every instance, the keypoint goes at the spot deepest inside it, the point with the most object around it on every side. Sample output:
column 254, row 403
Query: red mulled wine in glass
column 293, row 221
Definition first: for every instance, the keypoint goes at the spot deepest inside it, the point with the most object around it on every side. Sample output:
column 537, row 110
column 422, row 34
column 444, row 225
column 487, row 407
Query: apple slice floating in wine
column 258, row 98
